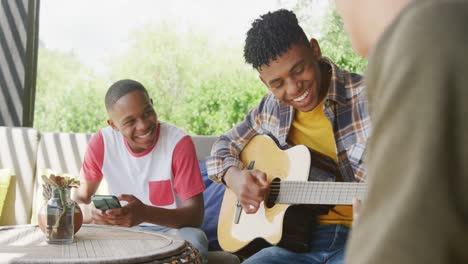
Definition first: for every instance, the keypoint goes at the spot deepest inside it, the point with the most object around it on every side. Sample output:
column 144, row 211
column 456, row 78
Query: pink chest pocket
column 160, row 193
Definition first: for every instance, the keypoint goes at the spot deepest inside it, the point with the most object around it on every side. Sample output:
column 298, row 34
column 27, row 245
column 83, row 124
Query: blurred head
column 366, row 20
column 131, row 113
column 288, row 64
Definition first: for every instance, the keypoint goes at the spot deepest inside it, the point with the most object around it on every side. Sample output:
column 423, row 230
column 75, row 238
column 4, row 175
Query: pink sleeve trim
column 91, row 169
column 187, row 176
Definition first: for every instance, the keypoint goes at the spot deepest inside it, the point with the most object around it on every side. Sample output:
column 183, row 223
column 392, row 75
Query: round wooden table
column 92, row 244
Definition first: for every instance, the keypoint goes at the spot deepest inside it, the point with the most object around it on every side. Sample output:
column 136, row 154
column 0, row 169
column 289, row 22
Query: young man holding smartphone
column 150, row 165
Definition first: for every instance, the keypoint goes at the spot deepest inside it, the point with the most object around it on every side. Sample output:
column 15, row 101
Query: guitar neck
column 326, row 193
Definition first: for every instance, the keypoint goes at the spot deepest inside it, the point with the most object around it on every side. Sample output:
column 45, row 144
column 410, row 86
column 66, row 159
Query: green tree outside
column 203, row 89
column 198, row 86
column 68, row 95
column 336, row 45
column 330, row 33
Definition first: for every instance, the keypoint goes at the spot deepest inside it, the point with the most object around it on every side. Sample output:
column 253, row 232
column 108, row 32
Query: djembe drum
column 188, row 254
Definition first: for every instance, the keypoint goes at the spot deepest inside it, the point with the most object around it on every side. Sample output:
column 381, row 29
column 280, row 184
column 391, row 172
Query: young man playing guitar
column 311, row 102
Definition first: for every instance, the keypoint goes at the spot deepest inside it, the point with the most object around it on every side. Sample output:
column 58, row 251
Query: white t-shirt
column 164, row 175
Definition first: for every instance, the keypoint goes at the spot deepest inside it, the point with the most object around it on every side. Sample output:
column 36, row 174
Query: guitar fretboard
column 327, row 193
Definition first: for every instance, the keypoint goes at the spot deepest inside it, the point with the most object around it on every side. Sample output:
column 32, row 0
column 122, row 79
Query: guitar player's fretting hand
column 250, row 187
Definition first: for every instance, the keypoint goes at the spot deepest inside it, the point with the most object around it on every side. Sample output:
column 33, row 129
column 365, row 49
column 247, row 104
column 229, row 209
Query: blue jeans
column 193, row 235
column 327, row 247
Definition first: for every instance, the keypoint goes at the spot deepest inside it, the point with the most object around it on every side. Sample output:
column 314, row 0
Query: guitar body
column 267, row 226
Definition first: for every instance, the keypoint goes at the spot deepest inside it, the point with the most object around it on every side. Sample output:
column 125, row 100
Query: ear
column 315, row 49
column 263, row 81
column 111, row 123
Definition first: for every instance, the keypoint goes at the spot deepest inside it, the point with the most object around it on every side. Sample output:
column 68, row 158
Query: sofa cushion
column 5, row 180
column 213, row 196
column 18, row 149
column 62, row 152
column 203, row 145
column 58, row 153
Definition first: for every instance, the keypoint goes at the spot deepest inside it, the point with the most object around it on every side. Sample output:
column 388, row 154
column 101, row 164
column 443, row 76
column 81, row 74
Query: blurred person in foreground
column 417, row 79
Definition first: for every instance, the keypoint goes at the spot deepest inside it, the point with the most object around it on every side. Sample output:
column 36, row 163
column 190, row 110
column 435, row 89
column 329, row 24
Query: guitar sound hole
column 270, row 200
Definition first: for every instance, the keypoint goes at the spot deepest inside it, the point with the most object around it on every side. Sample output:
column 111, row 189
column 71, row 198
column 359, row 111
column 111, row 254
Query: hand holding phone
column 105, row 202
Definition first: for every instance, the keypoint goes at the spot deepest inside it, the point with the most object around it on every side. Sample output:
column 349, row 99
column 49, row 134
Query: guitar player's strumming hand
column 250, row 187
column 356, row 209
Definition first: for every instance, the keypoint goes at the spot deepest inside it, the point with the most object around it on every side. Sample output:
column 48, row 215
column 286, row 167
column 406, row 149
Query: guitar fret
column 332, row 193
column 302, row 196
column 309, row 192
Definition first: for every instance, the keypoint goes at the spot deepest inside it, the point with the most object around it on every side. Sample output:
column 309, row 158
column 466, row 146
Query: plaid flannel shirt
column 345, row 106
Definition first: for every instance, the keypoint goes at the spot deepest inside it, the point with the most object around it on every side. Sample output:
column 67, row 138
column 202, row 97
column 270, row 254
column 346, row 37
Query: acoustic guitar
column 302, row 186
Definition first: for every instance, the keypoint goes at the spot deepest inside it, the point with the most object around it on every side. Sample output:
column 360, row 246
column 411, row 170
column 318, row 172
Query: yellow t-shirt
column 313, row 129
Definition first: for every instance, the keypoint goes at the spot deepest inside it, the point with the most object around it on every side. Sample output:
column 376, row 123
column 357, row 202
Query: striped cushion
column 58, row 153
column 5, row 180
column 18, row 149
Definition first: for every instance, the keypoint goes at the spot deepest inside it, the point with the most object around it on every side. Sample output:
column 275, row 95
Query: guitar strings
column 351, row 188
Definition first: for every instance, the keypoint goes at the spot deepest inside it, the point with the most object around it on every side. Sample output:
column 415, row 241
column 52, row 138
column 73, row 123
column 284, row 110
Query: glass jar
column 60, row 212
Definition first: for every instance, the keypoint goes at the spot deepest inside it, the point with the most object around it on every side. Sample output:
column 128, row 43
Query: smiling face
column 295, row 77
column 133, row 115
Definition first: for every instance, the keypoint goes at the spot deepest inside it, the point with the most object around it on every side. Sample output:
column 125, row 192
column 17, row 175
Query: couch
column 27, row 152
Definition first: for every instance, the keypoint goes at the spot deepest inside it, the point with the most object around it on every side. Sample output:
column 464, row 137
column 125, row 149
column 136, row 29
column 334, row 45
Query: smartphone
column 105, row 202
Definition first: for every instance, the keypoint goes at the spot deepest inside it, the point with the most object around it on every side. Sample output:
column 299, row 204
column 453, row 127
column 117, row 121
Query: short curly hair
column 272, row 35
